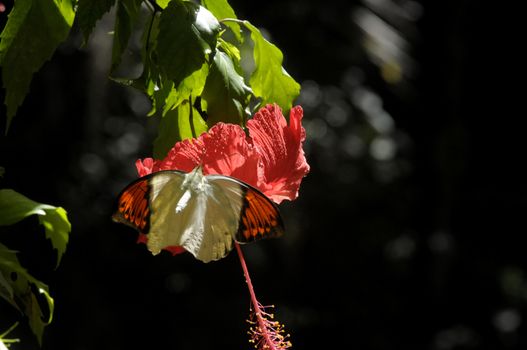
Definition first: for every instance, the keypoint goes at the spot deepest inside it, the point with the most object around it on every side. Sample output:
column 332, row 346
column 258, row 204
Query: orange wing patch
column 133, row 208
column 259, row 218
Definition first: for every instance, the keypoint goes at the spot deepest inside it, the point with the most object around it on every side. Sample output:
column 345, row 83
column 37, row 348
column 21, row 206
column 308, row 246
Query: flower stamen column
column 266, row 334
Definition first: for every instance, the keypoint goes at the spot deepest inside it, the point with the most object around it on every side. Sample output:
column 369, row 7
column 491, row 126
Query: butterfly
column 202, row 213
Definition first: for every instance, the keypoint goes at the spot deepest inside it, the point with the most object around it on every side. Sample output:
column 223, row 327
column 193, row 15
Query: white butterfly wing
column 189, row 211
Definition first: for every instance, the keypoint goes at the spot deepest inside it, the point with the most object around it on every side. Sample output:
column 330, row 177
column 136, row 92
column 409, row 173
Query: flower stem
column 235, row 20
column 267, row 334
column 246, row 274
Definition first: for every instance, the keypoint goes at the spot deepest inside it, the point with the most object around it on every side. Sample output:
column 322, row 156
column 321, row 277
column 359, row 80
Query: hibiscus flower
column 270, row 158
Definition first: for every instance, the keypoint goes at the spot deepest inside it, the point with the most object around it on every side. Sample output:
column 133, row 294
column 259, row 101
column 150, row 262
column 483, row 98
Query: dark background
column 407, row 234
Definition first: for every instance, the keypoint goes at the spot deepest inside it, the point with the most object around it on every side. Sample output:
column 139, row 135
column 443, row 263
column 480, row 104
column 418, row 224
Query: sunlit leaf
column 225, row 92
column 89, row 12
column 158, row 93
column 269, row 80
column 15, row 207
column 33, row 31
column 3, row 337
column 191, row 85
column 178, row 124
column 57, row 229
column 187, row 34
column 162, row 3
column 126, row 16
column 221, row 10
column 232, row 51
column 30, row 295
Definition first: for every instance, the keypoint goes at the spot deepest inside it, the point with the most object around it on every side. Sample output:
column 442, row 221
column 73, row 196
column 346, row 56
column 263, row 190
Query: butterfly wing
column 133, row 208
column 203, row 214
column 134, row 202
column 194, row 215
column 259, row 217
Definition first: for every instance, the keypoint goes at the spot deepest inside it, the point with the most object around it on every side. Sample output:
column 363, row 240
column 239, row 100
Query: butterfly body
column 202, row 213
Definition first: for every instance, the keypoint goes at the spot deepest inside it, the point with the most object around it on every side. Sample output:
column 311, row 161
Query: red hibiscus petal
column 175, row 249
column 145, row 166
column 142, row 238
column 184, row 156
column 229, row 152
column 280, row 148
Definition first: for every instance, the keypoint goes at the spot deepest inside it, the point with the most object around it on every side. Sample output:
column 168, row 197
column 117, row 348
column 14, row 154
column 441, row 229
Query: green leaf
column 269, row 80
column 149, row 81
column 4, row 340
column 149, row 39
column 187, row 34
column 30, row 295
column 162, row 3
column 159, row 93
column 15, row 207
column 33, row 31
column 6, row 290
column 157, row 89
column 125, row 18
column 164, row 93
column 89, row 12
column 232, row 51
column 190, row 86
column 57, row 228
column 221, row 10
column 225, row 92
column 178, row 124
